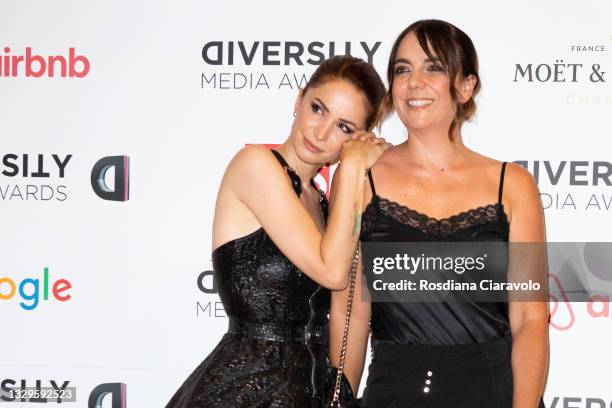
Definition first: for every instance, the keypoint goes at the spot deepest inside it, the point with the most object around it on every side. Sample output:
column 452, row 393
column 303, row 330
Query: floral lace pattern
column 490, row 213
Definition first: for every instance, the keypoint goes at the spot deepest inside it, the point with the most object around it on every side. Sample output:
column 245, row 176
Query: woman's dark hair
column 457, row 55
column 356, row 72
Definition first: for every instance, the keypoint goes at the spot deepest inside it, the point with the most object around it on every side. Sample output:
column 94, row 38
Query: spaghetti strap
column 501, row 182
column 280, row 158
column 371, row 182
column 296, row 183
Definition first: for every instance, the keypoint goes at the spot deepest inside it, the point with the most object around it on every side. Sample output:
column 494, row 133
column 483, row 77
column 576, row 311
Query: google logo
column 29, row 290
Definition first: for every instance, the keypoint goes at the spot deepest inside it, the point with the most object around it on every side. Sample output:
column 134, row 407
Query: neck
column 433, row 149
column 304, row 170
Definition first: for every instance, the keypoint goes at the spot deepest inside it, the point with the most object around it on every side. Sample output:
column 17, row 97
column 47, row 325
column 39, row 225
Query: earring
column 294, row 114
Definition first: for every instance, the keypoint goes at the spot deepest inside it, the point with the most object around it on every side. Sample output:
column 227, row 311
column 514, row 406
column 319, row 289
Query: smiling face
column 421, row 88
column 326, row 116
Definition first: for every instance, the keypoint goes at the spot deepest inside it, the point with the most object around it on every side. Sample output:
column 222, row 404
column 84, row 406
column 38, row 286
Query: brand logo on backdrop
column 25, row 172
column 578, row 185
column 570, row 288
column 259, row 62
column 34, row 391
column 578, row 64
column 579, row 402
column 31, row 168
column 30, row 292
column 207, row 285
column 116, row 391
column 572, row 69
column 283, row 52
column 59, row 392
column 557, row 72
column 120, row 191
column 31, row 65
column 562, row 315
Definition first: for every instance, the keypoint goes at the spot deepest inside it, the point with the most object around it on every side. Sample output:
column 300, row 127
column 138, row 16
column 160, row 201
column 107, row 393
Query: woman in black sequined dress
column 275, row 260
column 432, row 188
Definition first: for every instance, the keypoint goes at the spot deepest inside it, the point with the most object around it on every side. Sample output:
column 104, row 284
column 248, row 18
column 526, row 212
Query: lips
column 311, row 147
column 419, row 103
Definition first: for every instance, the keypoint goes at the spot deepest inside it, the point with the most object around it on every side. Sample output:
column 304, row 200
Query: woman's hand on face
column 364, row 147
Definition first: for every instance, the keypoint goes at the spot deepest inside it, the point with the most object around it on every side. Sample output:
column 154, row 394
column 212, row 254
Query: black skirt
column 471, row 375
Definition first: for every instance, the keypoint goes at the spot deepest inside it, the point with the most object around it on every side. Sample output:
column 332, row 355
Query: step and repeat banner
column 117, row 120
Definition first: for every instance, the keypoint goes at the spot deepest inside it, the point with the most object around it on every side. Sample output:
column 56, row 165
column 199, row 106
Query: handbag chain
column 349, row 305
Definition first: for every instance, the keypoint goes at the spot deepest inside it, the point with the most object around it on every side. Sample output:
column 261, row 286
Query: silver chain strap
column 349, row 305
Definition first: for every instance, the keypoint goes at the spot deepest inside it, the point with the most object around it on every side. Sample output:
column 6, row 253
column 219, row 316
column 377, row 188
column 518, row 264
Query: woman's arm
column 359, row 331
column 256, row 179
column 528, row 320
column 359, row 327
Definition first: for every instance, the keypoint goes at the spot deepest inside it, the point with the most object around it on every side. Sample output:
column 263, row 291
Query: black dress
column 437, row 354
column 275, row 353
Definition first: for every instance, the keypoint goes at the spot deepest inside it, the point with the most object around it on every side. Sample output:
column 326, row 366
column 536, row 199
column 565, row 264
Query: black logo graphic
column 121, row 191
column 118, row 392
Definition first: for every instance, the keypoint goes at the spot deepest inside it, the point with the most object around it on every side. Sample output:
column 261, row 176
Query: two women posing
column 278, row 254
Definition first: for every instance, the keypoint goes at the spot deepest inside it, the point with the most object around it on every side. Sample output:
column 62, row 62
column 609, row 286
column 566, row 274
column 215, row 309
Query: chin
column 315, row 159
column 416, row 124
column 420, row 123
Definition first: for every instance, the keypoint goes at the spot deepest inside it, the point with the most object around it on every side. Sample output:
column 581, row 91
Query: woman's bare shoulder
column 389, row 159
column 251, row 157
column 520, row 182
column 250, row 164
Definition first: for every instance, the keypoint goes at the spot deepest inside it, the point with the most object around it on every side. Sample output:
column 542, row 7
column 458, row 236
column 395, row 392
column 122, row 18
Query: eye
column 316, row 108
column 436, row 67
column 400, row 69
column 345, row 128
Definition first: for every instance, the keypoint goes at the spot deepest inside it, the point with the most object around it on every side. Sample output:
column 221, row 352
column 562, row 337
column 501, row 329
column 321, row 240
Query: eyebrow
column 326, row 109
column 407, row 61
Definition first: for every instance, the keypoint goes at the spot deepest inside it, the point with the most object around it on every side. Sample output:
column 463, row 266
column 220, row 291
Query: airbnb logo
column 36, row 66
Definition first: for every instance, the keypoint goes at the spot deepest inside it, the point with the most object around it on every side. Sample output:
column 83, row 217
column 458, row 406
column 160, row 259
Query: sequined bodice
column 257, row 283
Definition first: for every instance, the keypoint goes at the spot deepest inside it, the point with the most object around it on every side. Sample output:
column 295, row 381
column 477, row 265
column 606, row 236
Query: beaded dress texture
column 275, row 353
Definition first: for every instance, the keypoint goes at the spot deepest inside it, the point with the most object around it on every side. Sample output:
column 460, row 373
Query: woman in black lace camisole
column 432, row 188
column 272, row 263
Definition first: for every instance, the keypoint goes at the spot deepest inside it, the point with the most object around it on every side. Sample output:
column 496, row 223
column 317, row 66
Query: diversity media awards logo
column 272, row 65
column 572, row 184
column 22, row 390
column 42, row 177
column 121, row 189
column 578, row 402
column 116, row 391
column 34, row 177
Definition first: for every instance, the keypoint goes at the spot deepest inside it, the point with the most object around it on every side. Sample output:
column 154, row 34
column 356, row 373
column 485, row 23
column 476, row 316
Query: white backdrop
column 136, row 314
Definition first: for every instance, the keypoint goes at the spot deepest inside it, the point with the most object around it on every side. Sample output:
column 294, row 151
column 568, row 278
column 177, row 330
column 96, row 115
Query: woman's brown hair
column 356, row 72
column 457, row 55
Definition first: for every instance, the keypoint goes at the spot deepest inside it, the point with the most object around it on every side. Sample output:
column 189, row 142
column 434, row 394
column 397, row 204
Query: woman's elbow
column 336, row 281
column 539, row 323
column 336, row 285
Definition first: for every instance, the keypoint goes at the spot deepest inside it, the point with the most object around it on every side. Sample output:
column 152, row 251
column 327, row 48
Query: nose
column 416, row 79
column 323, row 131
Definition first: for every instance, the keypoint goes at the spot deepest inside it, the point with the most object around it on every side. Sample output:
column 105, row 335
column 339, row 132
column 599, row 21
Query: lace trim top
column 437, row 323
column 440, row 228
